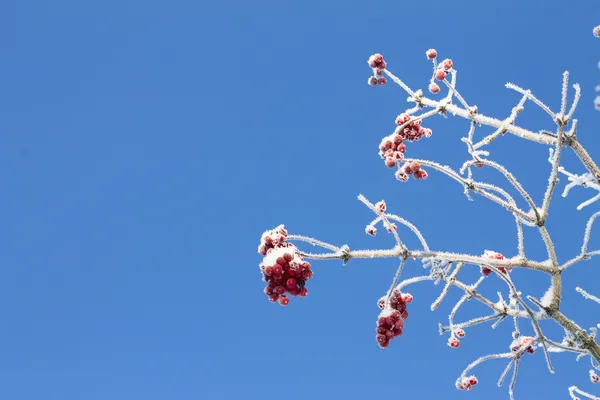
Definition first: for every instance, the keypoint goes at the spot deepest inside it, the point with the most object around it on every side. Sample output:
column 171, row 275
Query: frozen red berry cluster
column 389, row 326
column 391, row 319
column 467, row 382
column 494, row 256
column 282, row 267
column 522, row 342
column 378, row 64
column 453, row 340
column 594, row 376
column 411, row 168
column 392, row 147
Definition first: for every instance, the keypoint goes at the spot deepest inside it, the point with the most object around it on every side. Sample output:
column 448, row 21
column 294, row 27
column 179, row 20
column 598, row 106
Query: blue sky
column 145, row 146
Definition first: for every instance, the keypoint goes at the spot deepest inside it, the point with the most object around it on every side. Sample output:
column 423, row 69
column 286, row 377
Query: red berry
column 447, row 64
column 390, row 162
column 401, row 176
column 381, row 80
column 440, row 75
column 291, row 283
column 376, row 61
column 434, row 88
column 431, row 54
column 473, row 380
column 280, row 289
column 372, row 81
column 284, row 300
column 460, row 333
column 381, row 206
column 453, row 342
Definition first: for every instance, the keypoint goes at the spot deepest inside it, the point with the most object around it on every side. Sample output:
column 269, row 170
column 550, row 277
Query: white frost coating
column 272, row 233
column 271, row 258
column 547, row 297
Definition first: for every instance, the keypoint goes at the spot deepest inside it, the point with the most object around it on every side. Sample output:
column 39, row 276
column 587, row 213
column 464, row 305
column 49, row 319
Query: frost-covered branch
column 286, row 270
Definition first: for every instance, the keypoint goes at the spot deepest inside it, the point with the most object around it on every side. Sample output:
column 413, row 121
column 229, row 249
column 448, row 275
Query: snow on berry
column 522, row 342
column 401, row 176
column 597, row 31
column 594, row 376
column 453, row 342
column 467, row 382
column 381, row 206
column 282, row 267
column 434, row 88
column 440, row 75
column 377, row 61
column 372, row 81
column 446, row 64
column 460, row 333
column 381, row 80
column 494, row 256
column 370, row 230
column 431, row 54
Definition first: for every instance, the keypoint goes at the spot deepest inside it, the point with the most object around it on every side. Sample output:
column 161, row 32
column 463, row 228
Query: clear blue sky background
column 146, row 145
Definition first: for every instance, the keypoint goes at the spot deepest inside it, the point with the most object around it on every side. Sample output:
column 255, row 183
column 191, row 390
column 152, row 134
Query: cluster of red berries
column 381, row 207
column 391, row 319
column 594, row 376
column 378, row 64
column 495, row 256
column 467, row 382
column 392, row 147
column 453, row 341
column 283, row 269
column 412, row 168
column 522, row 342
column 440, row 73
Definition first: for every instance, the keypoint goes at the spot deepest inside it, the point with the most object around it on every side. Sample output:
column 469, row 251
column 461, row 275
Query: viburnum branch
column 505, row 372
column 587, row 295
column 446, row 288
column 534, row 320
column 474, row 186
column 563, row 100
column 510, row 177
column 503, row 128
column 511, row 389
column 286, row 270
column 531, row 97
column 575, row 102
column 575, row 389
